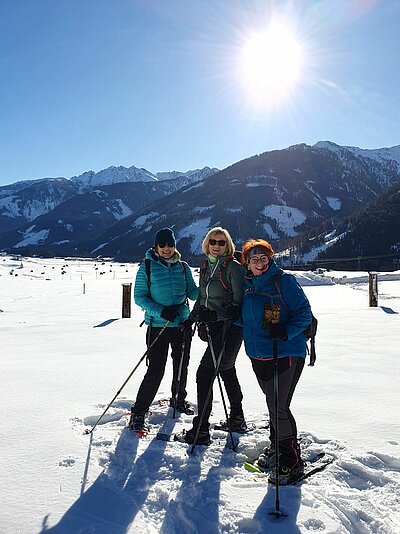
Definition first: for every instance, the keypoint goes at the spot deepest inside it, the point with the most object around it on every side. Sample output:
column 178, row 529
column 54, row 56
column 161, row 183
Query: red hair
column 252, row 243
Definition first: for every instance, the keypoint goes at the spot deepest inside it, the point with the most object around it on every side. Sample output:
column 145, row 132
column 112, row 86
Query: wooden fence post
column 126, row 300
column 373, row 289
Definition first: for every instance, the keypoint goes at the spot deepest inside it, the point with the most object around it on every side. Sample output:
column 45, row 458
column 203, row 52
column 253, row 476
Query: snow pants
column 227, row 371
column 289, row 371
column 156, row 360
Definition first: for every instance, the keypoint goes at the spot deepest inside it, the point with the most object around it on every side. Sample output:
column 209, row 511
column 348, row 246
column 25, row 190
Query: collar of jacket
column 215, row 259
column 152, row 255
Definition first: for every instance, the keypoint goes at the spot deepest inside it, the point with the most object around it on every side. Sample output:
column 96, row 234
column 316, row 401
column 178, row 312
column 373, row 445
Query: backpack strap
column 277, row 278
column 148, row 269
column 222, row 272
column 203, row 269
column 313, row 355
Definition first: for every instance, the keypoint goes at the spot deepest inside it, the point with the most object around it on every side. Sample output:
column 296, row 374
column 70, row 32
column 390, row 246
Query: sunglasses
column 219, row 242
column 262, row 259
column 169, row 244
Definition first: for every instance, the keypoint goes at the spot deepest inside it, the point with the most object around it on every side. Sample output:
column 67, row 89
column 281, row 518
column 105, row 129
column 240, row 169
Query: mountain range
column 304, row 199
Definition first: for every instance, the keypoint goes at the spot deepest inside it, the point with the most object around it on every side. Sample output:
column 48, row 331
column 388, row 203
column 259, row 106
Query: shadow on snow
column 121, row 492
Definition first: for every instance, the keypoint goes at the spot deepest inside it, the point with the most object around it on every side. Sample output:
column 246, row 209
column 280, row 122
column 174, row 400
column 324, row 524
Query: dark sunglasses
column 169, row 244
column 220, row 242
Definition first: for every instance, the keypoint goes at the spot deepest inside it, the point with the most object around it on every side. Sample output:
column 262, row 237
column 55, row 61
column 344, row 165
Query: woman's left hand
column 277, row 331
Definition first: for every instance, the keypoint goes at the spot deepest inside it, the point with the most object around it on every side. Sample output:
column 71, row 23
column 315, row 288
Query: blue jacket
column 170, row 285
column 295, row 314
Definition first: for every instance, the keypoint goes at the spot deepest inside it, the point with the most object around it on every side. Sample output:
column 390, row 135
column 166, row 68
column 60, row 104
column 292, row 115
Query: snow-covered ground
column 65, row 352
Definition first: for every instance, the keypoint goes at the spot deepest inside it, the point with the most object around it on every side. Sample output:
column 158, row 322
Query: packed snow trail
column 156, row 486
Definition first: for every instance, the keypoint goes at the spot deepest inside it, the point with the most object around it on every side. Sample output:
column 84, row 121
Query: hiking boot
column 237, row 423
column 203, row 438
column 267, row 458
column 182, row 406
column 287, row 475
column 136, row 422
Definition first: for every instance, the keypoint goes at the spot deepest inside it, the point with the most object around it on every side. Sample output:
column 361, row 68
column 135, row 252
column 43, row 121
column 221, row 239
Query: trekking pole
column 210, row 344
column 87, row 431
column 277, row 512
column 178, row 379
column 203, row 412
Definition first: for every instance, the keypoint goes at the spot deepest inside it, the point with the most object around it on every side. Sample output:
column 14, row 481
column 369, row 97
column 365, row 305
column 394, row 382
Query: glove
column 277, row 331
column 232, row 312
column 207, row 316
column 202, row 332
column 170, row 313
column 186, row 327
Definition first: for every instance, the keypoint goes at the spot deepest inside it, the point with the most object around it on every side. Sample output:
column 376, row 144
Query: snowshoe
column 182, row 406
column 234, row 424
column 287, row 475
column 202, row 439
column 267, row 459
column 137, row 424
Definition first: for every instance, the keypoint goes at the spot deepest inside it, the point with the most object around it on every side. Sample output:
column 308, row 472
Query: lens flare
column 271, row 64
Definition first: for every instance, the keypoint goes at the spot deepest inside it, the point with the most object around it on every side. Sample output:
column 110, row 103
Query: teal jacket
column 170, row 285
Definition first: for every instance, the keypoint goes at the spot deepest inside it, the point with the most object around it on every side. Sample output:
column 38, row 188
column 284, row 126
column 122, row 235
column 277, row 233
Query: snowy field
column 65, row 352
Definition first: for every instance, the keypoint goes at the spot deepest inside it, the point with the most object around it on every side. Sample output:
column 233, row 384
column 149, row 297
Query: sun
column 271, row 65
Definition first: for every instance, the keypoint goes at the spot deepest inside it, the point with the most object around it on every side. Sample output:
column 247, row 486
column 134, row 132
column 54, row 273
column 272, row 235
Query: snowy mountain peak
column 197, row 174
column 380, row 155
column 112, row 175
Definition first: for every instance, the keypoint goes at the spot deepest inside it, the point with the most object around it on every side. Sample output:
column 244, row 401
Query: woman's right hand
column 170, row 313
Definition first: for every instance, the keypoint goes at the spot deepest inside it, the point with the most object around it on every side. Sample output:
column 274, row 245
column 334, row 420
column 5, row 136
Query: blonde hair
column 218, row 230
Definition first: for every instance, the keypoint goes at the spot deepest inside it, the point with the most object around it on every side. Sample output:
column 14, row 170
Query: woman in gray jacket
column 218, row 306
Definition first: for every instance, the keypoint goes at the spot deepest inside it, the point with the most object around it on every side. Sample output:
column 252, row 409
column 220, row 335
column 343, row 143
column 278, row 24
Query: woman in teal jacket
column 162, row 286
column 275, row 309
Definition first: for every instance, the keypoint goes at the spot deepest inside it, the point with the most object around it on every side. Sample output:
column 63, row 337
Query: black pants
column 157, row 359
column 227, row 371
column 289, row 371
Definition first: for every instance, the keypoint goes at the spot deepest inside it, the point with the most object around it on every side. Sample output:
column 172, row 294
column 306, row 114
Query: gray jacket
column 212, row 293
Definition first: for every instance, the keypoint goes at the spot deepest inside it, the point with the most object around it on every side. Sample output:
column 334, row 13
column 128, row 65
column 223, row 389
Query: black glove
column 202, row 332
column 207, row 316
column 232, row 312
column 170, row 313
column 186, row 327
column 277, row 331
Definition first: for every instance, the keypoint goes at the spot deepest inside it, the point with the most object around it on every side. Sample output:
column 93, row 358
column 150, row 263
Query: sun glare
column 271, row 63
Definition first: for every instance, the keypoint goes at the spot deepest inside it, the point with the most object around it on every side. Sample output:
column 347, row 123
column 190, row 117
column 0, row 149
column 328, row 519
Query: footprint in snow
column 314, row 525
column 68, row 462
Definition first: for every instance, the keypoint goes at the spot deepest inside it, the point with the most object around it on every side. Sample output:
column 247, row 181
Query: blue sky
column 160, row 84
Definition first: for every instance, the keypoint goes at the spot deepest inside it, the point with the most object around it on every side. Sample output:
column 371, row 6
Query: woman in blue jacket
column 275, row 307
column 162, row 286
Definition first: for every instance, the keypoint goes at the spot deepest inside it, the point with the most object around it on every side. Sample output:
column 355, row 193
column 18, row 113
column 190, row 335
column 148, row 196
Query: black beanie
column 165, row 235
